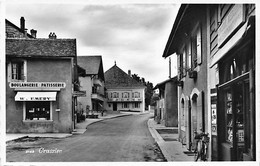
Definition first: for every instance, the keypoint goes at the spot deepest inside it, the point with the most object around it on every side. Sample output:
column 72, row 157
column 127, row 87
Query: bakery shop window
column 37, row 110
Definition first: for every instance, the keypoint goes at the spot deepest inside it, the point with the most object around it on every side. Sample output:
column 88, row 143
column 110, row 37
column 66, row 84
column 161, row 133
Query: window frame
column 21, row 74
column 27, row 120
column 125, row 105
column 196, row 39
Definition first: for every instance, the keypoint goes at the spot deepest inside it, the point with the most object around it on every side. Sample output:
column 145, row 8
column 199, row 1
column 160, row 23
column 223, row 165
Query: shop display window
column 234, row 115
column 37, row 110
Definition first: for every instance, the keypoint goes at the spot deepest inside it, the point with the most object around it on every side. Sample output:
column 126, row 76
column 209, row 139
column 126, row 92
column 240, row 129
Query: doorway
column 114, row 106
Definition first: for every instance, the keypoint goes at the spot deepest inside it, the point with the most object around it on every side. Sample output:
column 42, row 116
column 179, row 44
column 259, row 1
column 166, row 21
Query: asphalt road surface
column 119, row 139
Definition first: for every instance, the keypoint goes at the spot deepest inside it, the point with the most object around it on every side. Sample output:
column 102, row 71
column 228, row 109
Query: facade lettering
column 37, row 85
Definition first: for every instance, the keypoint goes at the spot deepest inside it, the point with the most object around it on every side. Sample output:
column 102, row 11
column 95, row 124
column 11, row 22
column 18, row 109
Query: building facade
column 92, row 81
column 232, row 61
column 188, row 41
column 167, row 105
column 123, row 92
column 40, row 84
column 215, row 46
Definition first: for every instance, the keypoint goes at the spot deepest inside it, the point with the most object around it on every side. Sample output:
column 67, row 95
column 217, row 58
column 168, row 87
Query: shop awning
column 35, row 96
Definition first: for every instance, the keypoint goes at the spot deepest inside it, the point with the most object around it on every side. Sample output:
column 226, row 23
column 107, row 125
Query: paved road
column 119, row 139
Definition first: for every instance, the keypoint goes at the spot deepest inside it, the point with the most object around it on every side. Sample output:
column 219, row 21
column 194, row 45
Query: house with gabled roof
column 13, row 31
column 41, row 85
column 92, row 81
column 123, row 92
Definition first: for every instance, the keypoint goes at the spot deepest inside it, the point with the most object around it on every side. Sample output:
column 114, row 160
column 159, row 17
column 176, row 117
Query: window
column 184, row 63
column 196, row 47
column 115, row 94
column 189, row 58
column 125, row 95
column 94, row 89
column 125, row 105
column 136, row 105
column 37, row 110
column 16, row 70
column 136, row 95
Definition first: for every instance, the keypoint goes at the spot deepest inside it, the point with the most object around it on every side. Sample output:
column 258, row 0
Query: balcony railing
column 124, row 100
column 97, row 96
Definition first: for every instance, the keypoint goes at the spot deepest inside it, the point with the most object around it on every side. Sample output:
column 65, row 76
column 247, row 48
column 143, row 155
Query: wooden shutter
column 201, row 109
column 179, row 66
column 9, row 72
column 199, row 48
column 184, row 62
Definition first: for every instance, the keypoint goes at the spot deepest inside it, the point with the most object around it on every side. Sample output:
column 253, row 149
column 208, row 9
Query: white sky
column 133, row 35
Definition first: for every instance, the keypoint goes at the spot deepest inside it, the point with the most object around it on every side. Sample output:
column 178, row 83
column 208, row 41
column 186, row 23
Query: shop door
column 114, row 106
column 237, row 110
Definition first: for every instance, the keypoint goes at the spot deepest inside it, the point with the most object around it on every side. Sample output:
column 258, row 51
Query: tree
column 148, row 90
column 148, row 94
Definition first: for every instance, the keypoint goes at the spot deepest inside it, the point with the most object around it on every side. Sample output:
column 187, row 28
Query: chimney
column 33, row 33
column 22, row 24
column 25, row 33
column 52, row 35
column 129, row 73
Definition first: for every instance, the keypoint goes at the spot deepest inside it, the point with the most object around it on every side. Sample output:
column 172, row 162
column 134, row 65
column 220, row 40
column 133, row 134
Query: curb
column 154, row 133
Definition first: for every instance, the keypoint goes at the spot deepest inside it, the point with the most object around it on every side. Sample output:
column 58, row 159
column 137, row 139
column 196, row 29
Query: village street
column 119, row 139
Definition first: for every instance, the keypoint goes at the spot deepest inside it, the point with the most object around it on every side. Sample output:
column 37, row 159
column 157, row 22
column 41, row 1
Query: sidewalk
column 80, row 128
column 167, row 139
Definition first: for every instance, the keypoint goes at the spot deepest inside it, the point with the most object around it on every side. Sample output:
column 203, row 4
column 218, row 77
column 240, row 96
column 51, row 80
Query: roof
column 17, row 28
column 117, row 78
column 182, row 25
column 162, row 84
column 90, row 63
column 40, row 47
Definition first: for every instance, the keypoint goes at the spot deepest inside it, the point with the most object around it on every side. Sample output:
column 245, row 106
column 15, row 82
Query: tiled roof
column 7, row 22
column 117, row 78
column 90, row 63
column 41, row 47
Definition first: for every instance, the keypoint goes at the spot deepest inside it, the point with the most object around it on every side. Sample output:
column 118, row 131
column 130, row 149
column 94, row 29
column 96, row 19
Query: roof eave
column 168, row 51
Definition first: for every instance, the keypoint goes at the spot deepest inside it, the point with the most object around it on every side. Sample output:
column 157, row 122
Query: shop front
column 38, row 107
column 236, row 101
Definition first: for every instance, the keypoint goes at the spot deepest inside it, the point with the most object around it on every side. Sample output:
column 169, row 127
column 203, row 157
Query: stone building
column 215, row 47
column 167, row 105
column 123, row 92
column 92, row 82
column 41, row 81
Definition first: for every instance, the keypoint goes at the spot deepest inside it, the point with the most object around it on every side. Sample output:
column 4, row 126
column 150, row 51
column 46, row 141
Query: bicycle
column 201, row 149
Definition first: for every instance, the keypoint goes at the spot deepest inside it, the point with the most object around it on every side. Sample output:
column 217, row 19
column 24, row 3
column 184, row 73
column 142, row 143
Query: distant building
column 167, row 105
column 92, row 81
column 41, row 84
column 123, row 92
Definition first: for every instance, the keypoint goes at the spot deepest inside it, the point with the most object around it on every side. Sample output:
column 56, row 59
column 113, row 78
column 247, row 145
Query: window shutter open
column 179, row 66
column 199, row 52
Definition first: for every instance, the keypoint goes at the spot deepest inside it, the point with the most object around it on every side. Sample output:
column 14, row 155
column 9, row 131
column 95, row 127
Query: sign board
column 36, row 85
column 79, row 93
column 231, row 21
column 214, row 119
column 35, row 96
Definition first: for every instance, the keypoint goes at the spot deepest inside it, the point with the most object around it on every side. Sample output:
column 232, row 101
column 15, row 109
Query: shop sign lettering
column 35, row 99
column 31, row 85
